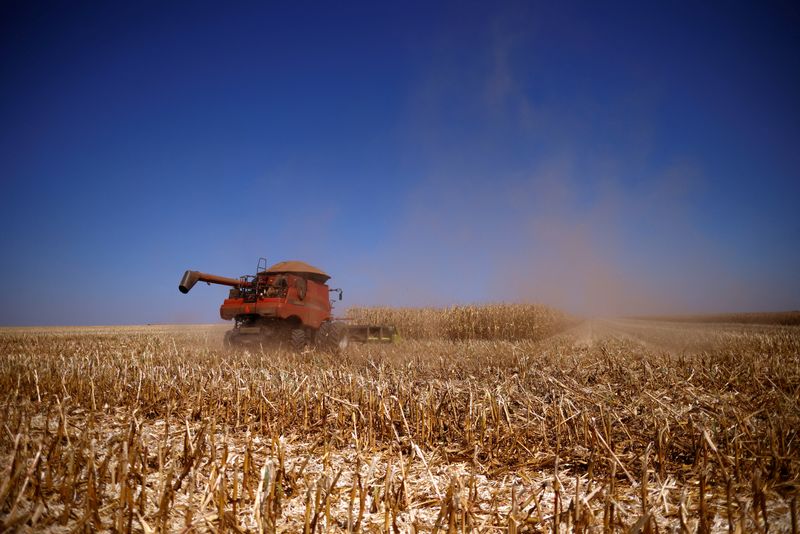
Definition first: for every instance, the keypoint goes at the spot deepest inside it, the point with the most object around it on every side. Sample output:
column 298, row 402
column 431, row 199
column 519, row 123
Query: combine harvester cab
column 288, row 303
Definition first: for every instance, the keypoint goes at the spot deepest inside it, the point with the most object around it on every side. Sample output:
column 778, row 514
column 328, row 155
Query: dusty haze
column 606, row 251
column 528, row 200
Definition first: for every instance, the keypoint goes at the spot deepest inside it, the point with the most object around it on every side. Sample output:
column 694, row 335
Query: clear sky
column 627, row 158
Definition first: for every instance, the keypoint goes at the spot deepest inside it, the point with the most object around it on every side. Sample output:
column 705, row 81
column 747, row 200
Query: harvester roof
column 300, row 267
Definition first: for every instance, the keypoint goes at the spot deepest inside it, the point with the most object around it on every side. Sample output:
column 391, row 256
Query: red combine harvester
column 288, row 302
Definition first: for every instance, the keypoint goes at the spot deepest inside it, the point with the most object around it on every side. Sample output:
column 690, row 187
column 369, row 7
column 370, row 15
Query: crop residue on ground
column 606, row 426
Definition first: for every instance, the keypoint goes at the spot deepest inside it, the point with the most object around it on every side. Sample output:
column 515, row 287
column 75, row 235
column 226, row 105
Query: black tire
column 333, row 337
column 324, row 336
column 297, row 339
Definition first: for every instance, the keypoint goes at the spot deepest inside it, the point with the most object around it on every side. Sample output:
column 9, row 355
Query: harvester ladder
column 260, row 268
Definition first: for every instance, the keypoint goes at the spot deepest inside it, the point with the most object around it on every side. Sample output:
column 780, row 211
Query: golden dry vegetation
column 608, row 426
column 503, row 322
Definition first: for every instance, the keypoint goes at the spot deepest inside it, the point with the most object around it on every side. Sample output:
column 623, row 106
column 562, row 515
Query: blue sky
column 622, row 158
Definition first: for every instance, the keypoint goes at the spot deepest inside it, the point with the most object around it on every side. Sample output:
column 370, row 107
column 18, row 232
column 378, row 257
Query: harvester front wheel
column 297, row 338
column 333, row 337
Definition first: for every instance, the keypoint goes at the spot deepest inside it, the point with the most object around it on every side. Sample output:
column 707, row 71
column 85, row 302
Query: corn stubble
column 465, row 426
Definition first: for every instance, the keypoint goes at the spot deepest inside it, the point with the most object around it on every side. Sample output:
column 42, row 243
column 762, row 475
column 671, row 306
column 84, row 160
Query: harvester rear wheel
column 298, row 339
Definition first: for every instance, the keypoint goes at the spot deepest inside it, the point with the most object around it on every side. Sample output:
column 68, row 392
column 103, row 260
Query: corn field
column 505, row 322
column 466, row 424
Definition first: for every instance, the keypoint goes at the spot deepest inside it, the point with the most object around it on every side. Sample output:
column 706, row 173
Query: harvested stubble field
column 785, row 318
column 608, row 426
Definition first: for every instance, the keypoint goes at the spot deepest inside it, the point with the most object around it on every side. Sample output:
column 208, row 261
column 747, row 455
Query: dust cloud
column 518, row 199
column 542, row 237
